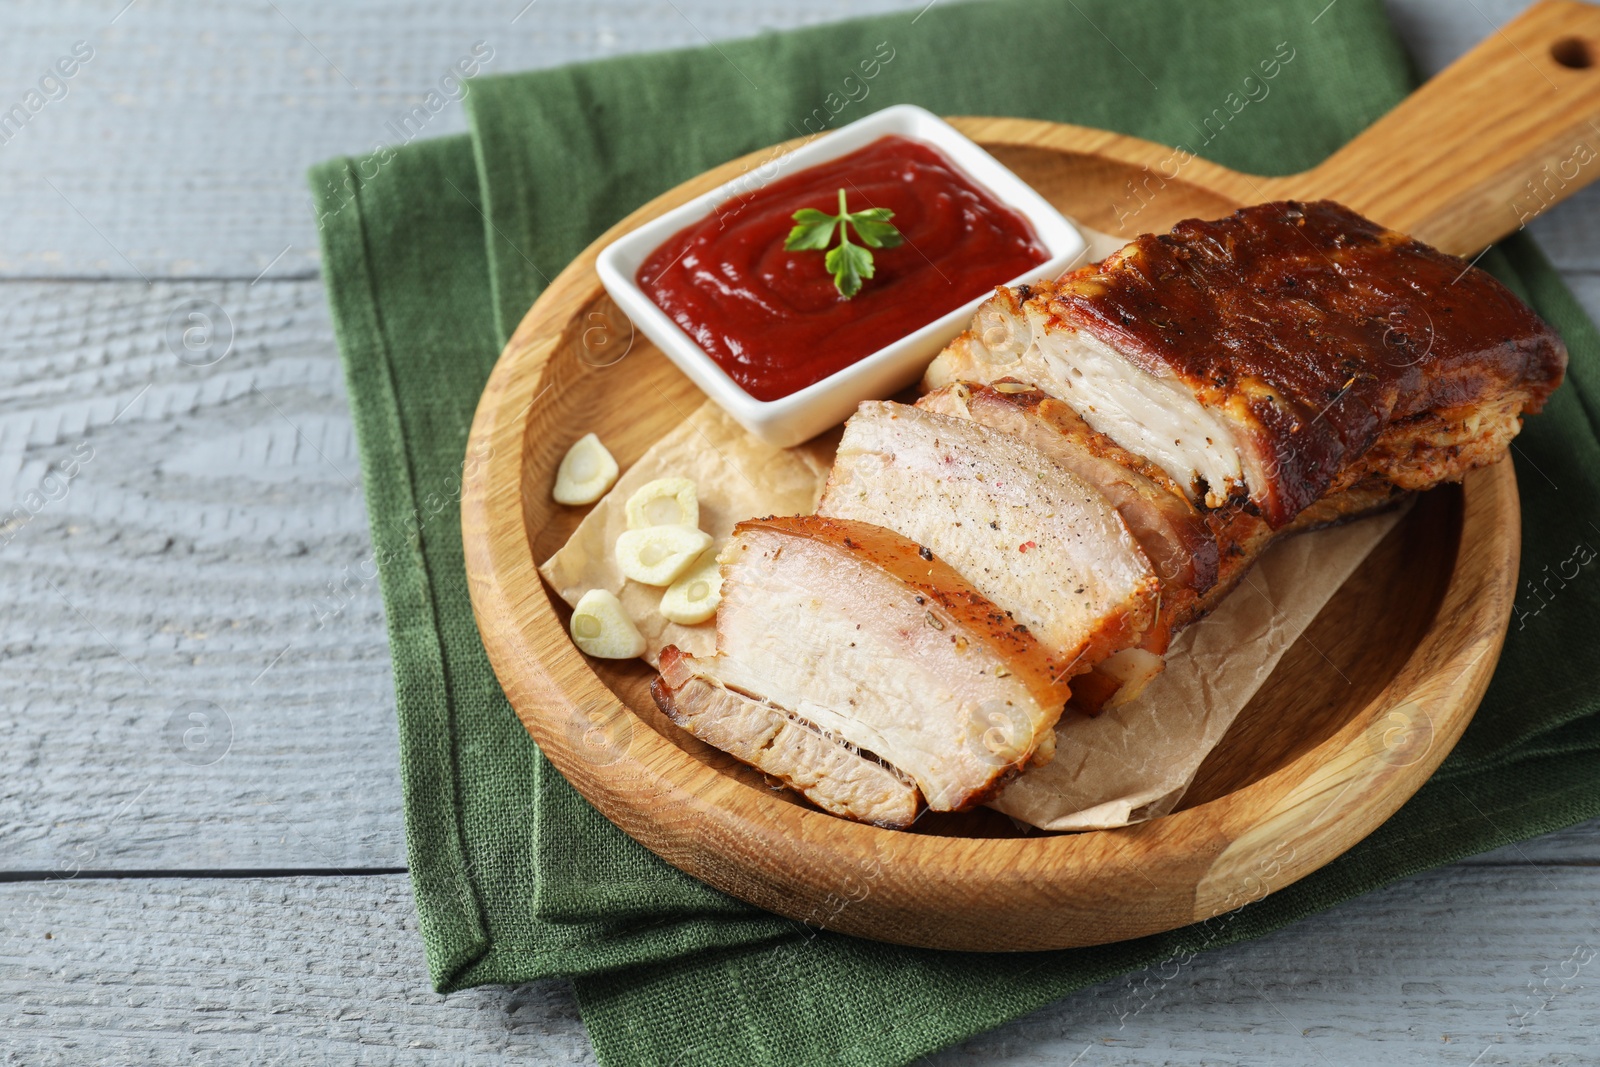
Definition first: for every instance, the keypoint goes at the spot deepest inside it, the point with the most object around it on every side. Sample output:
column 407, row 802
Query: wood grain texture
column 1432, row 970
column 209, row 557
column 260, row 971
column 1267, row 818
column 180, row 149
column 1503, row 134
column 186, row 146
column 1374, row 981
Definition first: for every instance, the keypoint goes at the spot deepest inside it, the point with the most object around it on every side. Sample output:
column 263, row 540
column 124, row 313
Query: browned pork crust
column 1317, row 331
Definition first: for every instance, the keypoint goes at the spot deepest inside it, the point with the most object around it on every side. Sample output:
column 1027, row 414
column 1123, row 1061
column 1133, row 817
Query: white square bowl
column 808, row 411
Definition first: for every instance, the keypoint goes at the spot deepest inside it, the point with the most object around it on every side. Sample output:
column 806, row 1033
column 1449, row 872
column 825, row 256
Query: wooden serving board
column 1320, row 757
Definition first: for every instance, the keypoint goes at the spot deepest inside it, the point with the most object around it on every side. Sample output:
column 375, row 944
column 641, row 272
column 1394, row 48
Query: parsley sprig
column 849, row 264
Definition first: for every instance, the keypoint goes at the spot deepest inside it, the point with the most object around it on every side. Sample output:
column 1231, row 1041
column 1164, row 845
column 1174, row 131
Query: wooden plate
column 1351, row 723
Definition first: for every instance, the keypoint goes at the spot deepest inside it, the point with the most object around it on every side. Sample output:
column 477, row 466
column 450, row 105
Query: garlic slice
column 694, row 597
column 657, row 555
column 600, row 627
column 664, row 502
column 586, row 472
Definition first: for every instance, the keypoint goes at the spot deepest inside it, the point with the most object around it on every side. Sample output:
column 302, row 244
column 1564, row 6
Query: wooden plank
column 180, row 149
column 257, row 971
column 176, row 190
column 1433, row 970
column 210, row 557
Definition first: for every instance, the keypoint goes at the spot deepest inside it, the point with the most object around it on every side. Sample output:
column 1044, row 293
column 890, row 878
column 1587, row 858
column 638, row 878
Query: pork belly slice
column 1264, row 354
column 1016, row 336
column 856, row 631
column 1174, row 535
column 1033, row 536
column 833, row 774
column 1170, row 530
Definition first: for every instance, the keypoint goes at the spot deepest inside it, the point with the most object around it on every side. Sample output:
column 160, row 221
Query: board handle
column 1491, row 142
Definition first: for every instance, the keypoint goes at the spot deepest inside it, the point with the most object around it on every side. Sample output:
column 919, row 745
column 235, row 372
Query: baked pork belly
column 1262, row 356
column 860, row 633
column 1170, row 530
column 1176, row 538
column 1199, row 555
column 833, row 774
column 1030, row 534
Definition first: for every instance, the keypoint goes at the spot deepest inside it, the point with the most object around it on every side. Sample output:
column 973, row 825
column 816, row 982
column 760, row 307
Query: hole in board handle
column 1573, row 53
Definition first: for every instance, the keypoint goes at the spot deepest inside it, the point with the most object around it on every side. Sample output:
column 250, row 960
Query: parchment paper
column 1133, row 763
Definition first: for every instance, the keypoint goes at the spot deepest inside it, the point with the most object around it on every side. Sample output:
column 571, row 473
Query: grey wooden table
column 185, row 537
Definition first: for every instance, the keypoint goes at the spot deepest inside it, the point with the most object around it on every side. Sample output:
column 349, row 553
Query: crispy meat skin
column 1318, row 336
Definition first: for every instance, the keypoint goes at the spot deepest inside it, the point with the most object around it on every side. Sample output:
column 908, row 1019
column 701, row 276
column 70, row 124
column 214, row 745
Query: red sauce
column 774, row 321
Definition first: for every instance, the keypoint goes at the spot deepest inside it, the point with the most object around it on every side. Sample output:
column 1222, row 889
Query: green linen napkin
column 433, row 251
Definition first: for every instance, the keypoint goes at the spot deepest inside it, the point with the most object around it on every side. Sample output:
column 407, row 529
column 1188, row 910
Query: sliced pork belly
column 1016, row 336
column 1033, row 536
column 1222, row 544
column 833, row 774
column 1170, row 530
column 1262, row 355
column 863, row 634
column 1174, row 535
